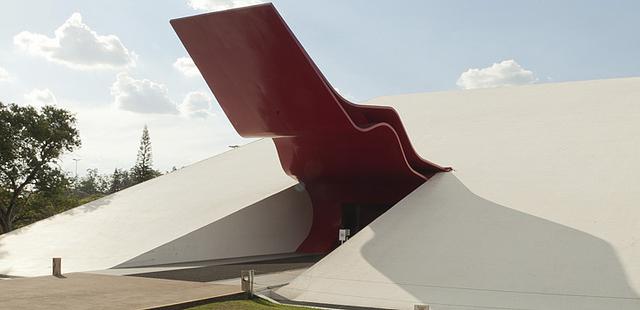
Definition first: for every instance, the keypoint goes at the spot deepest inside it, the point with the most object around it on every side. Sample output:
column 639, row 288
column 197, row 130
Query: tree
column 31, row 142
column 92, row 184
column 143, row 169
column 47, row 201
column 120, row 180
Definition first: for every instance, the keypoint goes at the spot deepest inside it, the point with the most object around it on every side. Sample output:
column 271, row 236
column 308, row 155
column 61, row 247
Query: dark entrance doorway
column 356, row 216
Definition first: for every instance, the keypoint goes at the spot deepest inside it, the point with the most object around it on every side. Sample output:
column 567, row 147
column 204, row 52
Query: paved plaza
column 96, row 291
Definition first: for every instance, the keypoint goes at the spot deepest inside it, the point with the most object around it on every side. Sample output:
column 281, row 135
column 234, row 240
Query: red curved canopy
column 269, row 87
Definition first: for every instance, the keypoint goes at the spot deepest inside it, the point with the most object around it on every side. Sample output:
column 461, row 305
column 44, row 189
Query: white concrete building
column 540, row 212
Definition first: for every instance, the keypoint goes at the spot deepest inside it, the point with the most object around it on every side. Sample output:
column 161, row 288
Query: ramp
column 237, row 204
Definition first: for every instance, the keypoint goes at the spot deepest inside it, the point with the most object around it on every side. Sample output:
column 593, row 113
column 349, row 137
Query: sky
column 118, row 65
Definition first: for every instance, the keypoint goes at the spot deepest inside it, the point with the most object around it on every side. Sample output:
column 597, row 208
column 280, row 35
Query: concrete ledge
column 200, row 302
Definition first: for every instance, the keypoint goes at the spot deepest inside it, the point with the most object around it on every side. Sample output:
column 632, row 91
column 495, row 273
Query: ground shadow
column 85, row 208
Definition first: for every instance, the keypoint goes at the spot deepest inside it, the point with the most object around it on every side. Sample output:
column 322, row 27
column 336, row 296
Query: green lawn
column 255, row 304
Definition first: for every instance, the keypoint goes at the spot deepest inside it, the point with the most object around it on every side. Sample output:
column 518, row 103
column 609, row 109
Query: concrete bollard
column 246, row 281
column 57, row 267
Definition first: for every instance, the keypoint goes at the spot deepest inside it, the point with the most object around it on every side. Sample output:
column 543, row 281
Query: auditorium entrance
column 357, row 216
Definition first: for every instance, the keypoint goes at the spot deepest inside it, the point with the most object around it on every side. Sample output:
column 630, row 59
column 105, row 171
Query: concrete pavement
column 95, row 291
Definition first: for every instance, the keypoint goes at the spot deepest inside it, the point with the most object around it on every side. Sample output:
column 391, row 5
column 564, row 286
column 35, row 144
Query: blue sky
column 366, row 48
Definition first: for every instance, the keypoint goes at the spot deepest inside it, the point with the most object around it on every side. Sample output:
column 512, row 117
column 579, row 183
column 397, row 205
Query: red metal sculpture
column 269, row 87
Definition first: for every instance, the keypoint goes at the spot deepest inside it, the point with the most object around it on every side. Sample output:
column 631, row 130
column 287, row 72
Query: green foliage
column 32, row 185
column 92, row 184
column 255, row 304
column 46, row 202
column 31, row 141
column 143, row 169
column 95, row 185
column 120, row 179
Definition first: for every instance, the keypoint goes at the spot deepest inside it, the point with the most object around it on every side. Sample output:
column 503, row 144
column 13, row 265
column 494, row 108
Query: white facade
column 541, row 211
column 232, row 205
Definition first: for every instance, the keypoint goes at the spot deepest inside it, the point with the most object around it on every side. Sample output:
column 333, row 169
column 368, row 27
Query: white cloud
column 196, row 104
column 4, row 75
column 186, row 66
column 40, row 97
column 217, row 5
column 77, row 46
column 141, row 96
column 505, row 73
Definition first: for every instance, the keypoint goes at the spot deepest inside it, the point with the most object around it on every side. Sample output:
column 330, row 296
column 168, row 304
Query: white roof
column 542, row 210
column 141, row 219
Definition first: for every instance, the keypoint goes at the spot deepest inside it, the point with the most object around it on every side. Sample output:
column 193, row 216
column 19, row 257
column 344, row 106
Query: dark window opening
column 356, row 216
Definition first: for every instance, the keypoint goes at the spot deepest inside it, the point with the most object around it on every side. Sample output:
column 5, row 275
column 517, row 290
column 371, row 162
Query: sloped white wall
column 127, row 224
column 446, row 247
column 275, row 225
column 541, row 211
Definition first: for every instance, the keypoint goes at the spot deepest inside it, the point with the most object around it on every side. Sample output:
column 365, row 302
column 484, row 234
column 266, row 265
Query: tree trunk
column 6, row 224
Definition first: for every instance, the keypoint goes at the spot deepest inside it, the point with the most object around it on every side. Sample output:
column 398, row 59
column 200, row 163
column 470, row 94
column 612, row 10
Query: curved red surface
column 269, row 87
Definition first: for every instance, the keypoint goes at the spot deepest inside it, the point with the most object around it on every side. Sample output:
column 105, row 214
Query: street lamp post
column 76, row 160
